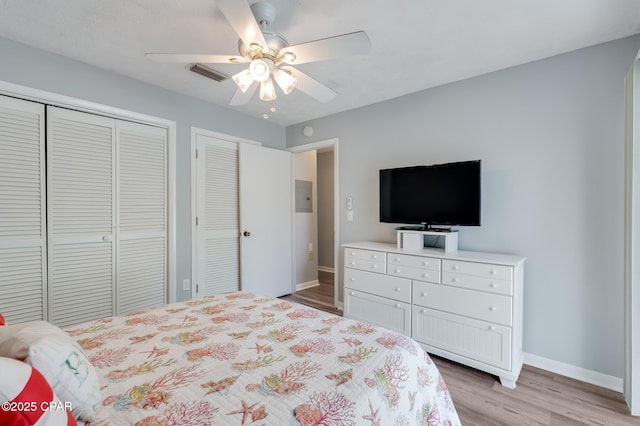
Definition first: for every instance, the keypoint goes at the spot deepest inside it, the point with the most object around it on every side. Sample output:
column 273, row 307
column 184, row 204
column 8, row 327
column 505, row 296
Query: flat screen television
column 440, row 194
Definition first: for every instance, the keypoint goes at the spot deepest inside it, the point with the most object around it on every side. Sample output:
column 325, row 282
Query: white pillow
column 27, row 398
column 60, row 360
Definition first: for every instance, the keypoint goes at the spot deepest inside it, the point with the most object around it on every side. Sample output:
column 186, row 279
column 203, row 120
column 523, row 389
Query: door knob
column 246, row 233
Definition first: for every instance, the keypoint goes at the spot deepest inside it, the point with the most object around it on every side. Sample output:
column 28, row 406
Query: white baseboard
column 308, row 284
column 325, row 269
column 578, row 373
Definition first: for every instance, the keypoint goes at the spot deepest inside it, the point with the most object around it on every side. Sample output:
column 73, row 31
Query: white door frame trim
column 54, row 99
column 632, row 241
column 195, row 131
column 327, row 143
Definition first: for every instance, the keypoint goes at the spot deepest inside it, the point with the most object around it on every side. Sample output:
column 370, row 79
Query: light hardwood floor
column 319, row 297
column 540, row 398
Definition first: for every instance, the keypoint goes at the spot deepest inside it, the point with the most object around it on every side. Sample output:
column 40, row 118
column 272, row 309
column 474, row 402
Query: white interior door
column 81, row 210
column 22, row 211
column 217, row 230
column 142, row 216
column 265, row 219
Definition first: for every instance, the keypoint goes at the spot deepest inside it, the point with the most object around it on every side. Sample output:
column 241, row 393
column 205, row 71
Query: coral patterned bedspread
column 244, row 359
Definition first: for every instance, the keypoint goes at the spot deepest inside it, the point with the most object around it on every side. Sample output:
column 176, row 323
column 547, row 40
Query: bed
column 244, row 359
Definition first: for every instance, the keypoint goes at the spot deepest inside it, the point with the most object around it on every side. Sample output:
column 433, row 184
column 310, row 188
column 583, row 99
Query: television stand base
column 413, row 239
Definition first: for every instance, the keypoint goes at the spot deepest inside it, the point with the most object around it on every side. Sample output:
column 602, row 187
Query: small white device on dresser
column 461, row 305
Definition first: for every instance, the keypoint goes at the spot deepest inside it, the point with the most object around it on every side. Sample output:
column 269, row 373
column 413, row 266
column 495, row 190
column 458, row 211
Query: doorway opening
column 314, row 172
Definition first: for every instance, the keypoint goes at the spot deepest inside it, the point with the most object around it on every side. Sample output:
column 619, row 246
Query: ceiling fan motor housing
column 275, row 43
column 265, row 14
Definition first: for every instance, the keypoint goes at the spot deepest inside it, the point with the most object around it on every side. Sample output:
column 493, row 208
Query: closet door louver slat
column 22, row 207
column 81, row 211
column 142, row 189
column 218, row 228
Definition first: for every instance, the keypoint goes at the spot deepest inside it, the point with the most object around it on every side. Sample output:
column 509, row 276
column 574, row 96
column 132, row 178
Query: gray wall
column 325, row 209
column 550, row 137
column 35, row 68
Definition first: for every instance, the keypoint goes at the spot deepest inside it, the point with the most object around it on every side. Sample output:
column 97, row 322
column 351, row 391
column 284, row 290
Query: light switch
column 349, row 203
column 186, row 284
column 350, row 215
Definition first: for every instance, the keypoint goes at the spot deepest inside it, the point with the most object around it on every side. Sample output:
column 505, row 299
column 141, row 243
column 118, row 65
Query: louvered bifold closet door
column 22, row 211
column 142, row 237
column 218, row 261
column 81, row 211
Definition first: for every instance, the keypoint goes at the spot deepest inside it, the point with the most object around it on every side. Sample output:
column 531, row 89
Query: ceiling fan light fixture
column 285, row 80
column 259, row 70
column 243, row 80
column 267, row 90
column 288, row 57
column 255, row 47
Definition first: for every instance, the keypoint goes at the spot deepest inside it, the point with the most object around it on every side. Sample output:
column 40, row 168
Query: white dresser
column 464, row 306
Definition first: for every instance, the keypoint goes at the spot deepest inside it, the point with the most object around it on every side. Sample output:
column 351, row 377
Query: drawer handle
column 423, row 311
column 423, row 294
column 375, row 256
column 397, row 305
column 353, row 263
column 397, row 288
column 352, row 293
column 493, row 308
column 375, row 266
column 353, row 253
column 455, row 279
column 492, row 272
column 492, row 327
column 425, row 275
column 455, row 267
column 397, row 259
column 493, row 285
column 425, row 263
column 397, row 271
column 352, row 279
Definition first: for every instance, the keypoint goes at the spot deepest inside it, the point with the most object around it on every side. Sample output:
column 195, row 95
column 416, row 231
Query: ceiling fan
column 268, row 55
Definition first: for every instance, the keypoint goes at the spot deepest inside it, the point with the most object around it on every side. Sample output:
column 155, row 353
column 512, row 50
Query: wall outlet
column 350, row 215
column 186, row 284
column 310, row 255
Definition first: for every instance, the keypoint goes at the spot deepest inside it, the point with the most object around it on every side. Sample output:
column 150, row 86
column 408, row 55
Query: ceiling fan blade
column 188, row 58
column 240, row 98
column 241, row 18
column 329, row 48
column 311, row 87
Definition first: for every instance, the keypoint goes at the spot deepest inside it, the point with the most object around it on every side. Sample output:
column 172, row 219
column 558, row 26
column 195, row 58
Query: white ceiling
column 416, row 44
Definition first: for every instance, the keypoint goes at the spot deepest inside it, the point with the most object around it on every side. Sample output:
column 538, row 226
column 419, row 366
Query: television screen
column 441, row 194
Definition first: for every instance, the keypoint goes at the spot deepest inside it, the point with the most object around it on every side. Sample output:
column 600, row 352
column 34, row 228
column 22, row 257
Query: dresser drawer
column 486, row 270
column 472, row 282
column 366, row 265
column 494, row 308
column 377, row 284
column 372, row 255
column 378, row 311
column 422, row 262
column 414, row 273
column 477, row 340
column 365, row 260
